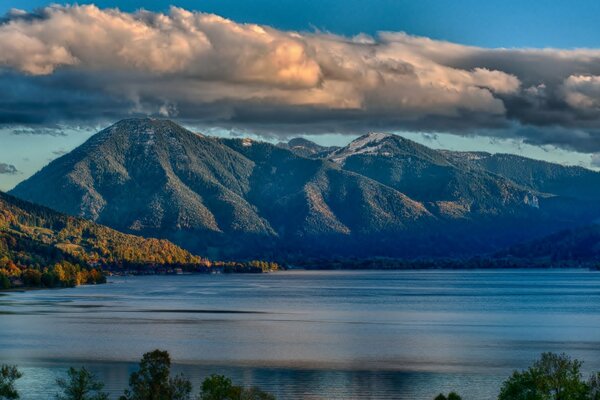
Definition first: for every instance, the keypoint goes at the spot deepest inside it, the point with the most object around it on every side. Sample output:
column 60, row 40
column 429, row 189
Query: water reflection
column 308, row 335
column 288, row 383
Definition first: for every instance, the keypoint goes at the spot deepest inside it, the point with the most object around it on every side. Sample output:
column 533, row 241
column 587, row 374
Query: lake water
column 310, row 335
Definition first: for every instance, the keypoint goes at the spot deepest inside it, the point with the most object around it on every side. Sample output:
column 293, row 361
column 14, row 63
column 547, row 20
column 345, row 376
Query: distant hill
column 580, row 245
column 306, row 148
column 382, row 195
column 568, row 181
column 40, row 236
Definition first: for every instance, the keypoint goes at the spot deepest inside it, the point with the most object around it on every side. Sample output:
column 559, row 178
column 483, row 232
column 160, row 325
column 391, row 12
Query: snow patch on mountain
column 367, row 144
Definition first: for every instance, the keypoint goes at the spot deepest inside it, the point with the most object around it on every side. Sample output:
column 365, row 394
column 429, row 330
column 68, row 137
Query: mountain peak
column 135, row 125
column 140, row 131
column 371, row 143
column 307, row 148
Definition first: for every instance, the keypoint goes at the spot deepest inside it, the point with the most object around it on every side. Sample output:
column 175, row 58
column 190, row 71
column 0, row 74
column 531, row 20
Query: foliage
column 43, row 248
column 153, row 382
column 552, row 377
column 8, row 376
column 26, row 262
column 90, row 242
column 451, row 396
column 216, row 387
column 594, row 387
column 219, row 387
column 80, row 385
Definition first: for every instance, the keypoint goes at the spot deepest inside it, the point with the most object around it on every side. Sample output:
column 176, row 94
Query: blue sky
column 508, row 23
column 486, row 24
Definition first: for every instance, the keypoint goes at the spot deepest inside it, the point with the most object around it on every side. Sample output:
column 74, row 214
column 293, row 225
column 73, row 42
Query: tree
column 594, row 387
column 552, row 377
column 451, row 396
column 4, row 282
column 153, row 382
column 80, row 385
column 181, row 388
column 219, row 387
column 8, row 376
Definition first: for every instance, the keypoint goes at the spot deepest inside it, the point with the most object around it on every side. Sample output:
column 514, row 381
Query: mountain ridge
column 380, row 195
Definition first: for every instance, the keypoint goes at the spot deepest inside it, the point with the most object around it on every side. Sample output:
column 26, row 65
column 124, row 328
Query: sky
column 499, row 76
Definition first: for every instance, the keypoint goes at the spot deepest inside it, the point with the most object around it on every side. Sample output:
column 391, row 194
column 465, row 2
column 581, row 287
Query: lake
column 310, row 334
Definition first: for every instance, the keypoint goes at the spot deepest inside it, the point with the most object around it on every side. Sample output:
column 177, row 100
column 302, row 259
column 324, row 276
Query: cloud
column 595, row 162
column 8, row 169
column 77, row 65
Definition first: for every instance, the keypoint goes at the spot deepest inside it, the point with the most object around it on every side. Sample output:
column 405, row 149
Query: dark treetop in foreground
column 552, row 377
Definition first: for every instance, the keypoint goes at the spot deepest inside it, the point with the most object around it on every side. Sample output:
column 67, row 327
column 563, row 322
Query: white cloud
column 583, row 92
column 86, row 62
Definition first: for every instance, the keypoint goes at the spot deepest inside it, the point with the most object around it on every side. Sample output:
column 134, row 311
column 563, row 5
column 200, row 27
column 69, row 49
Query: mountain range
column 381, row 195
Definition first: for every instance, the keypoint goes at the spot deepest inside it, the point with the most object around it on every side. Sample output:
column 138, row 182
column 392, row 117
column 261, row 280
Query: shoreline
column 319, row 268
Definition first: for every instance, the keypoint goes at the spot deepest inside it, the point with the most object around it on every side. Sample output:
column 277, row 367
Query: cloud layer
column 82, row 64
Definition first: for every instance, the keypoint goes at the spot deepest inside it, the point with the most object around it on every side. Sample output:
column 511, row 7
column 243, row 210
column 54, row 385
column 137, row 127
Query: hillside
column 573, row 246
column 381, row 195
column 221, row 198
column 428, row 176
column 34, row 239
column 306, row 148
column 568, row 181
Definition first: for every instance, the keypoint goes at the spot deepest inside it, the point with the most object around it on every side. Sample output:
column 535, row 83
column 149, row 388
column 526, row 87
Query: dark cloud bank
column 85, row 65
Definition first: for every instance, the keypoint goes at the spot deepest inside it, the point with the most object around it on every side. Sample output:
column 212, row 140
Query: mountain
column 568, row 181
column 220, row 197
column 317, row 208
column 573, row 246
column 80, row 239
column 153, row 178
column 426, row 175
column 484, row 207
column 306, row 148
column 382, row 195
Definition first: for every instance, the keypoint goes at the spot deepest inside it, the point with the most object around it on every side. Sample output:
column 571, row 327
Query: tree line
column 551, row 377
column 152, row 381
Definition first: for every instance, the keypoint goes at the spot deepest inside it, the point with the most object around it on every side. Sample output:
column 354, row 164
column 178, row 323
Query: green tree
column 8, row 375
column 153, row 380
column 80, row 384
column 594, row 387
column 552, row 377
column 4, row 282
column 219, row 387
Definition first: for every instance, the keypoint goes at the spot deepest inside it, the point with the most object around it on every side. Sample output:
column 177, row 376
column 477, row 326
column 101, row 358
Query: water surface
column 311, row 335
